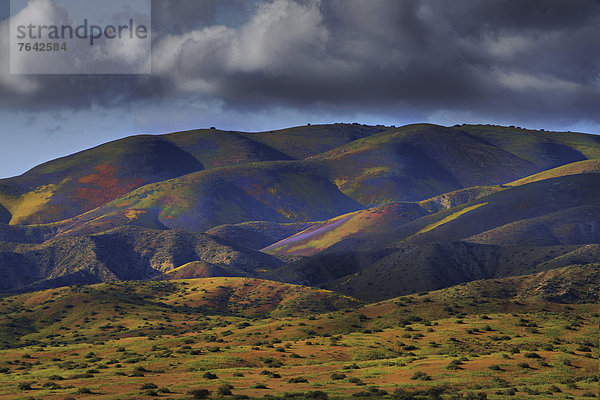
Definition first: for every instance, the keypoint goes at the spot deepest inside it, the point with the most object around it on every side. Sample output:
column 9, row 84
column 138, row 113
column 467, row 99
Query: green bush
column 337, row 376
column 199, row 393
column 149, row 386
column 298, row 379
column 420, row 376
column 224, row 390
column 209, row 375
column 259, row 386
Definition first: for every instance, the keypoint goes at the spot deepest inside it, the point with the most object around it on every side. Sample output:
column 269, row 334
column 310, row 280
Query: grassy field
column 239, row 338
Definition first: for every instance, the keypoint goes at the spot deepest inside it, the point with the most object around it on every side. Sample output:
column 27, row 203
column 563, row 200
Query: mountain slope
column 486, row 213
column 363, row 222
column 258, row 234
column 579, row 225
column 409, row 163
column 416, row 162
column 352, row 196
column 74, row 184
column 275, row 191
column 122, row 254
column 372, row 165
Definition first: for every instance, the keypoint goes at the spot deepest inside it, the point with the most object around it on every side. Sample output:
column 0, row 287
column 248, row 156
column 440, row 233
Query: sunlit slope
column 416, row 162
column 526, row 337
column 572, row 226
column 199, row 269
column 490, row 212
column 74, row 184
column 579, row 167
column 276, row 191
column 458, row 197
column 68, row 186
column 359, row 223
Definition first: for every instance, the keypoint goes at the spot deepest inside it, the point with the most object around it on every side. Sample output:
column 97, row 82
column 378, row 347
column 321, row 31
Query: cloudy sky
column 265, row 64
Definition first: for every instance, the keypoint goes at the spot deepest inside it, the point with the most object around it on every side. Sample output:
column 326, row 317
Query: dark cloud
column 499, row 58
column 179, row 16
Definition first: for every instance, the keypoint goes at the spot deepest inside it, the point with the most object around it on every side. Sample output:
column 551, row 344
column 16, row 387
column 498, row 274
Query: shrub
column 298, row 379
column 259, row 386
column 356, row 381
column 24, row 386
column 337, row 376
column 224, row 390
column 476, row 396
column 454, row 365
column 209, row 375
column 532, row 355
column 317, row 395
column 149, row 386
column 420, row 376
column 554, row 389
column 199, row 393
column 84, row 390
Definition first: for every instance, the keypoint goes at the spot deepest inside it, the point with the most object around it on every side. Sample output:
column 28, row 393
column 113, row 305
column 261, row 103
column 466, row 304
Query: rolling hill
column 344, row 206
column 126, row 253
column 529, row 336
column 74, row 184
column 364, row 222
column 417, row 262
column 411, row 163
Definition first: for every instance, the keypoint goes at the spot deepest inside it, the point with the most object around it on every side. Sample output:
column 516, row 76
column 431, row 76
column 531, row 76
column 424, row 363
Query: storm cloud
column 500, row 59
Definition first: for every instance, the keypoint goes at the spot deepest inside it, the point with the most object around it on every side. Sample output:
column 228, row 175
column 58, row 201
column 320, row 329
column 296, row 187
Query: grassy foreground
column 240, row 338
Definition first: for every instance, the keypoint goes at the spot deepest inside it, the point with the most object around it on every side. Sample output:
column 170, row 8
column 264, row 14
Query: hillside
column 525, row 337
column 74, row 184
column 127, row 253
column 577, row 225
column 411, row 163
column 514, row 204
column 258, row 234
column 364, row 222
column 344, row 206
column 383, row 274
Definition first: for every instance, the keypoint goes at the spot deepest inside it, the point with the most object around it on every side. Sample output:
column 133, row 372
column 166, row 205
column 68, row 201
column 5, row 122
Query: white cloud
column 523, row 81
column 280, row 36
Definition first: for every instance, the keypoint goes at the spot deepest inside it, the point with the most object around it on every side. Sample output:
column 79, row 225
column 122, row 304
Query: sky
column 254, row 65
